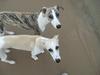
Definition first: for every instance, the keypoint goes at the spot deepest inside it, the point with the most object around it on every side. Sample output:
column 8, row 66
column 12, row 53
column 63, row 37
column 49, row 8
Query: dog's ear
column 44, row 9
column 58, row 7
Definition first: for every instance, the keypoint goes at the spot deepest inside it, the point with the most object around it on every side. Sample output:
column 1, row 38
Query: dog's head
column 52, row 46
column 49, row 15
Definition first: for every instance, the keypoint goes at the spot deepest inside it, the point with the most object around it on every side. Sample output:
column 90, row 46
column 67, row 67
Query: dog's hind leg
column 7, row 61
column 3, row 57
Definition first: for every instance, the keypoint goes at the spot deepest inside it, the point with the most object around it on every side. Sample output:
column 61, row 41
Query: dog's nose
column 58, row 26
column 57, row 60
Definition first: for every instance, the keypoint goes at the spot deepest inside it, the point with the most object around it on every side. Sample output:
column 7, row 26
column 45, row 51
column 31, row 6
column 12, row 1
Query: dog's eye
column 57, row 47
column 51, row 16
column 50, row 50
column 57, row 14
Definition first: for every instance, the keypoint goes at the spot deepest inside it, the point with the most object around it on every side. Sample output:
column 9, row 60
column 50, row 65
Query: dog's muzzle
column 57, row 60
column 58, row 26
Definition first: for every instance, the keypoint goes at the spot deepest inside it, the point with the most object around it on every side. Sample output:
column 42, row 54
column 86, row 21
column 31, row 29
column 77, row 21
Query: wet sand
column 79, row 39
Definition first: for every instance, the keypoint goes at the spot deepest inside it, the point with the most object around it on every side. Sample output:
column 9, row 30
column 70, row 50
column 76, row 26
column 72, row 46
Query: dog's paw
column 8, row 61
column 64, row 74
column 7, row 51
column 10, row 32
column 42, row 51
column 11, row 62
column 35, row 58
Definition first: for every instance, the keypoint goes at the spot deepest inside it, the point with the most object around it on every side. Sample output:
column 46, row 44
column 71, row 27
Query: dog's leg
column 35, row 52
column 3, row 57
column 42, row 51
column 33, row 55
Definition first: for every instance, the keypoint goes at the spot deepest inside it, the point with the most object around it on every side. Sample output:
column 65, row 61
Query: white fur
column 9, row 32
column 64, row 74
column 52, row 44
column 55, row 21
column 42, row 21
column 3, row 55
column 1, row 42
column 35, row 44
column 7, row 51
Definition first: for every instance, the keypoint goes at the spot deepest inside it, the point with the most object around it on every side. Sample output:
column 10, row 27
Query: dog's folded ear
column 44, row 9
column 58, row 7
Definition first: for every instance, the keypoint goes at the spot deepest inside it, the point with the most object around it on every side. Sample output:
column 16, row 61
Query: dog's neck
column 42, row 21
column 44, row 42
column 40, row 46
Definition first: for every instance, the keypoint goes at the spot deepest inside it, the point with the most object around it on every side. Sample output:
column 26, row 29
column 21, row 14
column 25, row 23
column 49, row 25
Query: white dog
column 34, row 43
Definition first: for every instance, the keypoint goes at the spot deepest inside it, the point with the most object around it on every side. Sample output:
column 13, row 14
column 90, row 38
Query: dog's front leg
column 33, row 55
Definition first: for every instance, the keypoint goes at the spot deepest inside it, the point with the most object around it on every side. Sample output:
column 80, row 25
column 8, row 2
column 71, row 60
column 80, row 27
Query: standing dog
column 30, row 20
column 34, row 43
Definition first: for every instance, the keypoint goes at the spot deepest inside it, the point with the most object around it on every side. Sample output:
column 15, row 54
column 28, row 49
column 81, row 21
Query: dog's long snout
column 58, row 60
column 58, row 26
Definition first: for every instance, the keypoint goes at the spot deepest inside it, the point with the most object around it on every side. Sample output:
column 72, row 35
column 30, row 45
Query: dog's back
column 23, row 42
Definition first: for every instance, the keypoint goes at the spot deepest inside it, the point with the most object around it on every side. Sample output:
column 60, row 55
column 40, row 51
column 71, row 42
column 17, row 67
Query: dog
column 36, row 44
column 30, row 20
